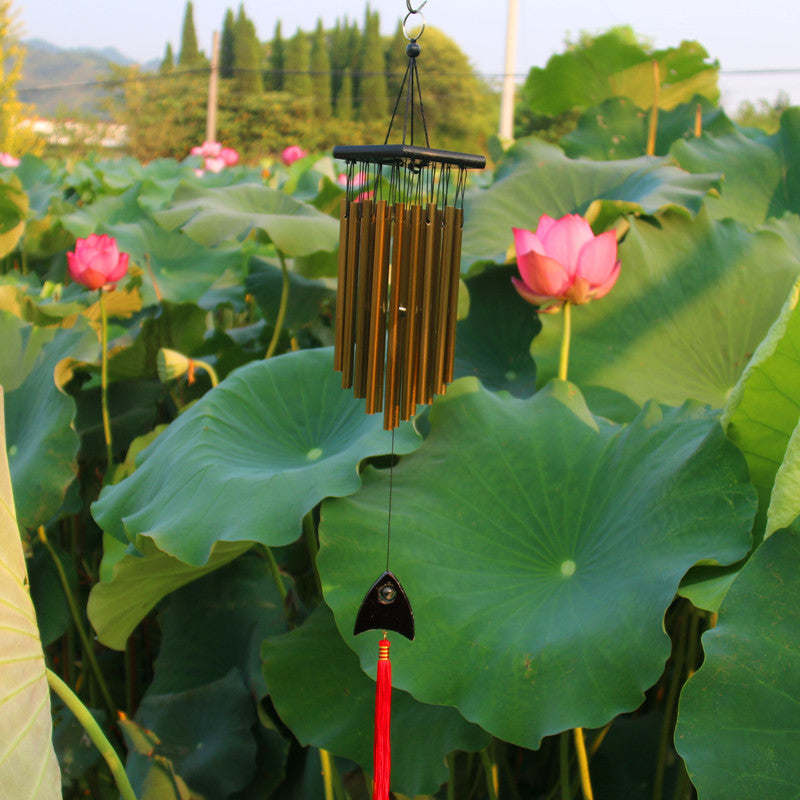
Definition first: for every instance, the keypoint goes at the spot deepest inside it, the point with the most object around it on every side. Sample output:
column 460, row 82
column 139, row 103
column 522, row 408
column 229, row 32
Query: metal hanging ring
column 421, row 23
column 415, row 10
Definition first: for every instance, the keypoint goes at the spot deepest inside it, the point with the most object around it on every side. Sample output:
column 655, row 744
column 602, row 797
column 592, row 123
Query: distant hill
column 60, row 82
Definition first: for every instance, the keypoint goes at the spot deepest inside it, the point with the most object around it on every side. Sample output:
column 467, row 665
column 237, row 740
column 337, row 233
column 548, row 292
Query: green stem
column 94, row 732
column 583, row 764
column 276, row 334
column 563, row 765
column 327, row 773
column 310, row 536
column 563, row 361
column 490, row 770
column 104, row 382
column 276, row 574
column 451, row 783
column 88, row 649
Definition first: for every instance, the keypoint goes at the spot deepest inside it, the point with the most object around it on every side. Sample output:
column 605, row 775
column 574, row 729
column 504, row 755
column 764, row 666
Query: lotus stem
column 491, row 772
column 276, row 334
column 94, row 732
column 583, row 764
column 88, row 648
column 104, row 382
column 275, row 571
column 327, row 777
column 651, row 133
column 563, row 361
column 210, row 371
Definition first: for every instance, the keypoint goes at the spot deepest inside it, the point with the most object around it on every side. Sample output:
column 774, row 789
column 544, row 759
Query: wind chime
column 399, row 264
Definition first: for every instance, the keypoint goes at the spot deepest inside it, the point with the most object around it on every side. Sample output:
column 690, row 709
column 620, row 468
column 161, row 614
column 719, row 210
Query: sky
column 742, row 36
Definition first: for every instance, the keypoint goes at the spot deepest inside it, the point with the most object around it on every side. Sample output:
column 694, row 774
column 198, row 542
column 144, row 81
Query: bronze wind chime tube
column 377, row 315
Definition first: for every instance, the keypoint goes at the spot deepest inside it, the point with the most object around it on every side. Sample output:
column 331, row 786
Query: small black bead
column 413, row 50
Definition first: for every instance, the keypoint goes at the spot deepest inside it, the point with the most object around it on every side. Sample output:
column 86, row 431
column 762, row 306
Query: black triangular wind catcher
column 386, row 608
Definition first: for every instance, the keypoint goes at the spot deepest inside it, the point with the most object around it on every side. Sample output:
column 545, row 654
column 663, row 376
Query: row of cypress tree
column 346, row 73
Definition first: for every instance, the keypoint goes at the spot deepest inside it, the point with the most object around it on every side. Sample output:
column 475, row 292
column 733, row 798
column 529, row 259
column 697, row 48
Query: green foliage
column 168, row 62
column 189, row 55
column 615, row 64
column 297, row 78
column 320, row 74
column 246, row 56
column 551, row 536
column 28, row 768
column 372, row 99
column 227, row 55
column 276, row 60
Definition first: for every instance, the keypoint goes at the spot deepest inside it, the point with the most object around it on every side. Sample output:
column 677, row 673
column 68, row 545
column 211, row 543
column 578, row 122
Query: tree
column 297, row 78
column 372, row 93
column 168, row 64
column 14, row 138
column 276, row 60
column 190, row 55
column 321, row 73
column 247, row 55
column 344, row 102
column 226, row 47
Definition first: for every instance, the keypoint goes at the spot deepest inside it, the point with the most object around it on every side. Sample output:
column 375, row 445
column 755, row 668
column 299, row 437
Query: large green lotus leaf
column 218, row 622
column 580, row 76
column 182, row 268
column 683, row 74
column 265, row 282
column 536, row 178
column 249, row 459
column 139, row 581
column 615, row 64
column 28, row 765
column 763, row 413
column 752, row 174
column 618, row 129
column 320, row 692
column 42, row 444
column 493, row 342
column 105, row 210
column 205, row 733
column 177, row 326
column 539, row 547
column 760, row 177
column 13, row 211
column 211, row 216
column 738, row 728
column 693, row 300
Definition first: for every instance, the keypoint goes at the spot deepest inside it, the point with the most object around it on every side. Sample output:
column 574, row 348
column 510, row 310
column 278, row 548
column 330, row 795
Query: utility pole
column 506, row 131
column 211, row 114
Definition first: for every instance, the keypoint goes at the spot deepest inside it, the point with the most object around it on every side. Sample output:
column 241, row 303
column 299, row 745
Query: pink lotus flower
column 97, row 262
column 564, row 262
column 292, row 153
column 7, row 160
column 216, row 157
column 359, row 179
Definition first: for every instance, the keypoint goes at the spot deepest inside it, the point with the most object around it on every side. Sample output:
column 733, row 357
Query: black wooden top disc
column 386, row 608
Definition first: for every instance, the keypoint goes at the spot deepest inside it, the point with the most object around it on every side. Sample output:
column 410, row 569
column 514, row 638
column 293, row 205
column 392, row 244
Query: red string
column 382, row 757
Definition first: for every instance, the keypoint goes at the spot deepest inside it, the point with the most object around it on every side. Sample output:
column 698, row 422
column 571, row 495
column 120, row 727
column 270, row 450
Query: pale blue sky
column 741, row 35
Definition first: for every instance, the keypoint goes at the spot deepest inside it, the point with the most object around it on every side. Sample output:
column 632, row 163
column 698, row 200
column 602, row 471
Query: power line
column 175, row 73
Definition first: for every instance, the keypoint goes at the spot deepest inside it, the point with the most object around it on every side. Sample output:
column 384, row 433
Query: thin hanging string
column 421, row 106
column 389, row 521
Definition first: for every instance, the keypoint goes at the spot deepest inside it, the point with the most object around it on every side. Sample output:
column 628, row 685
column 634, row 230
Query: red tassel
column 382, row 757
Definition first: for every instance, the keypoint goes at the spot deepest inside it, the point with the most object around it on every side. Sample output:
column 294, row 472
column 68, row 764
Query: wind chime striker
column 396, row 305
column 399, row 260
